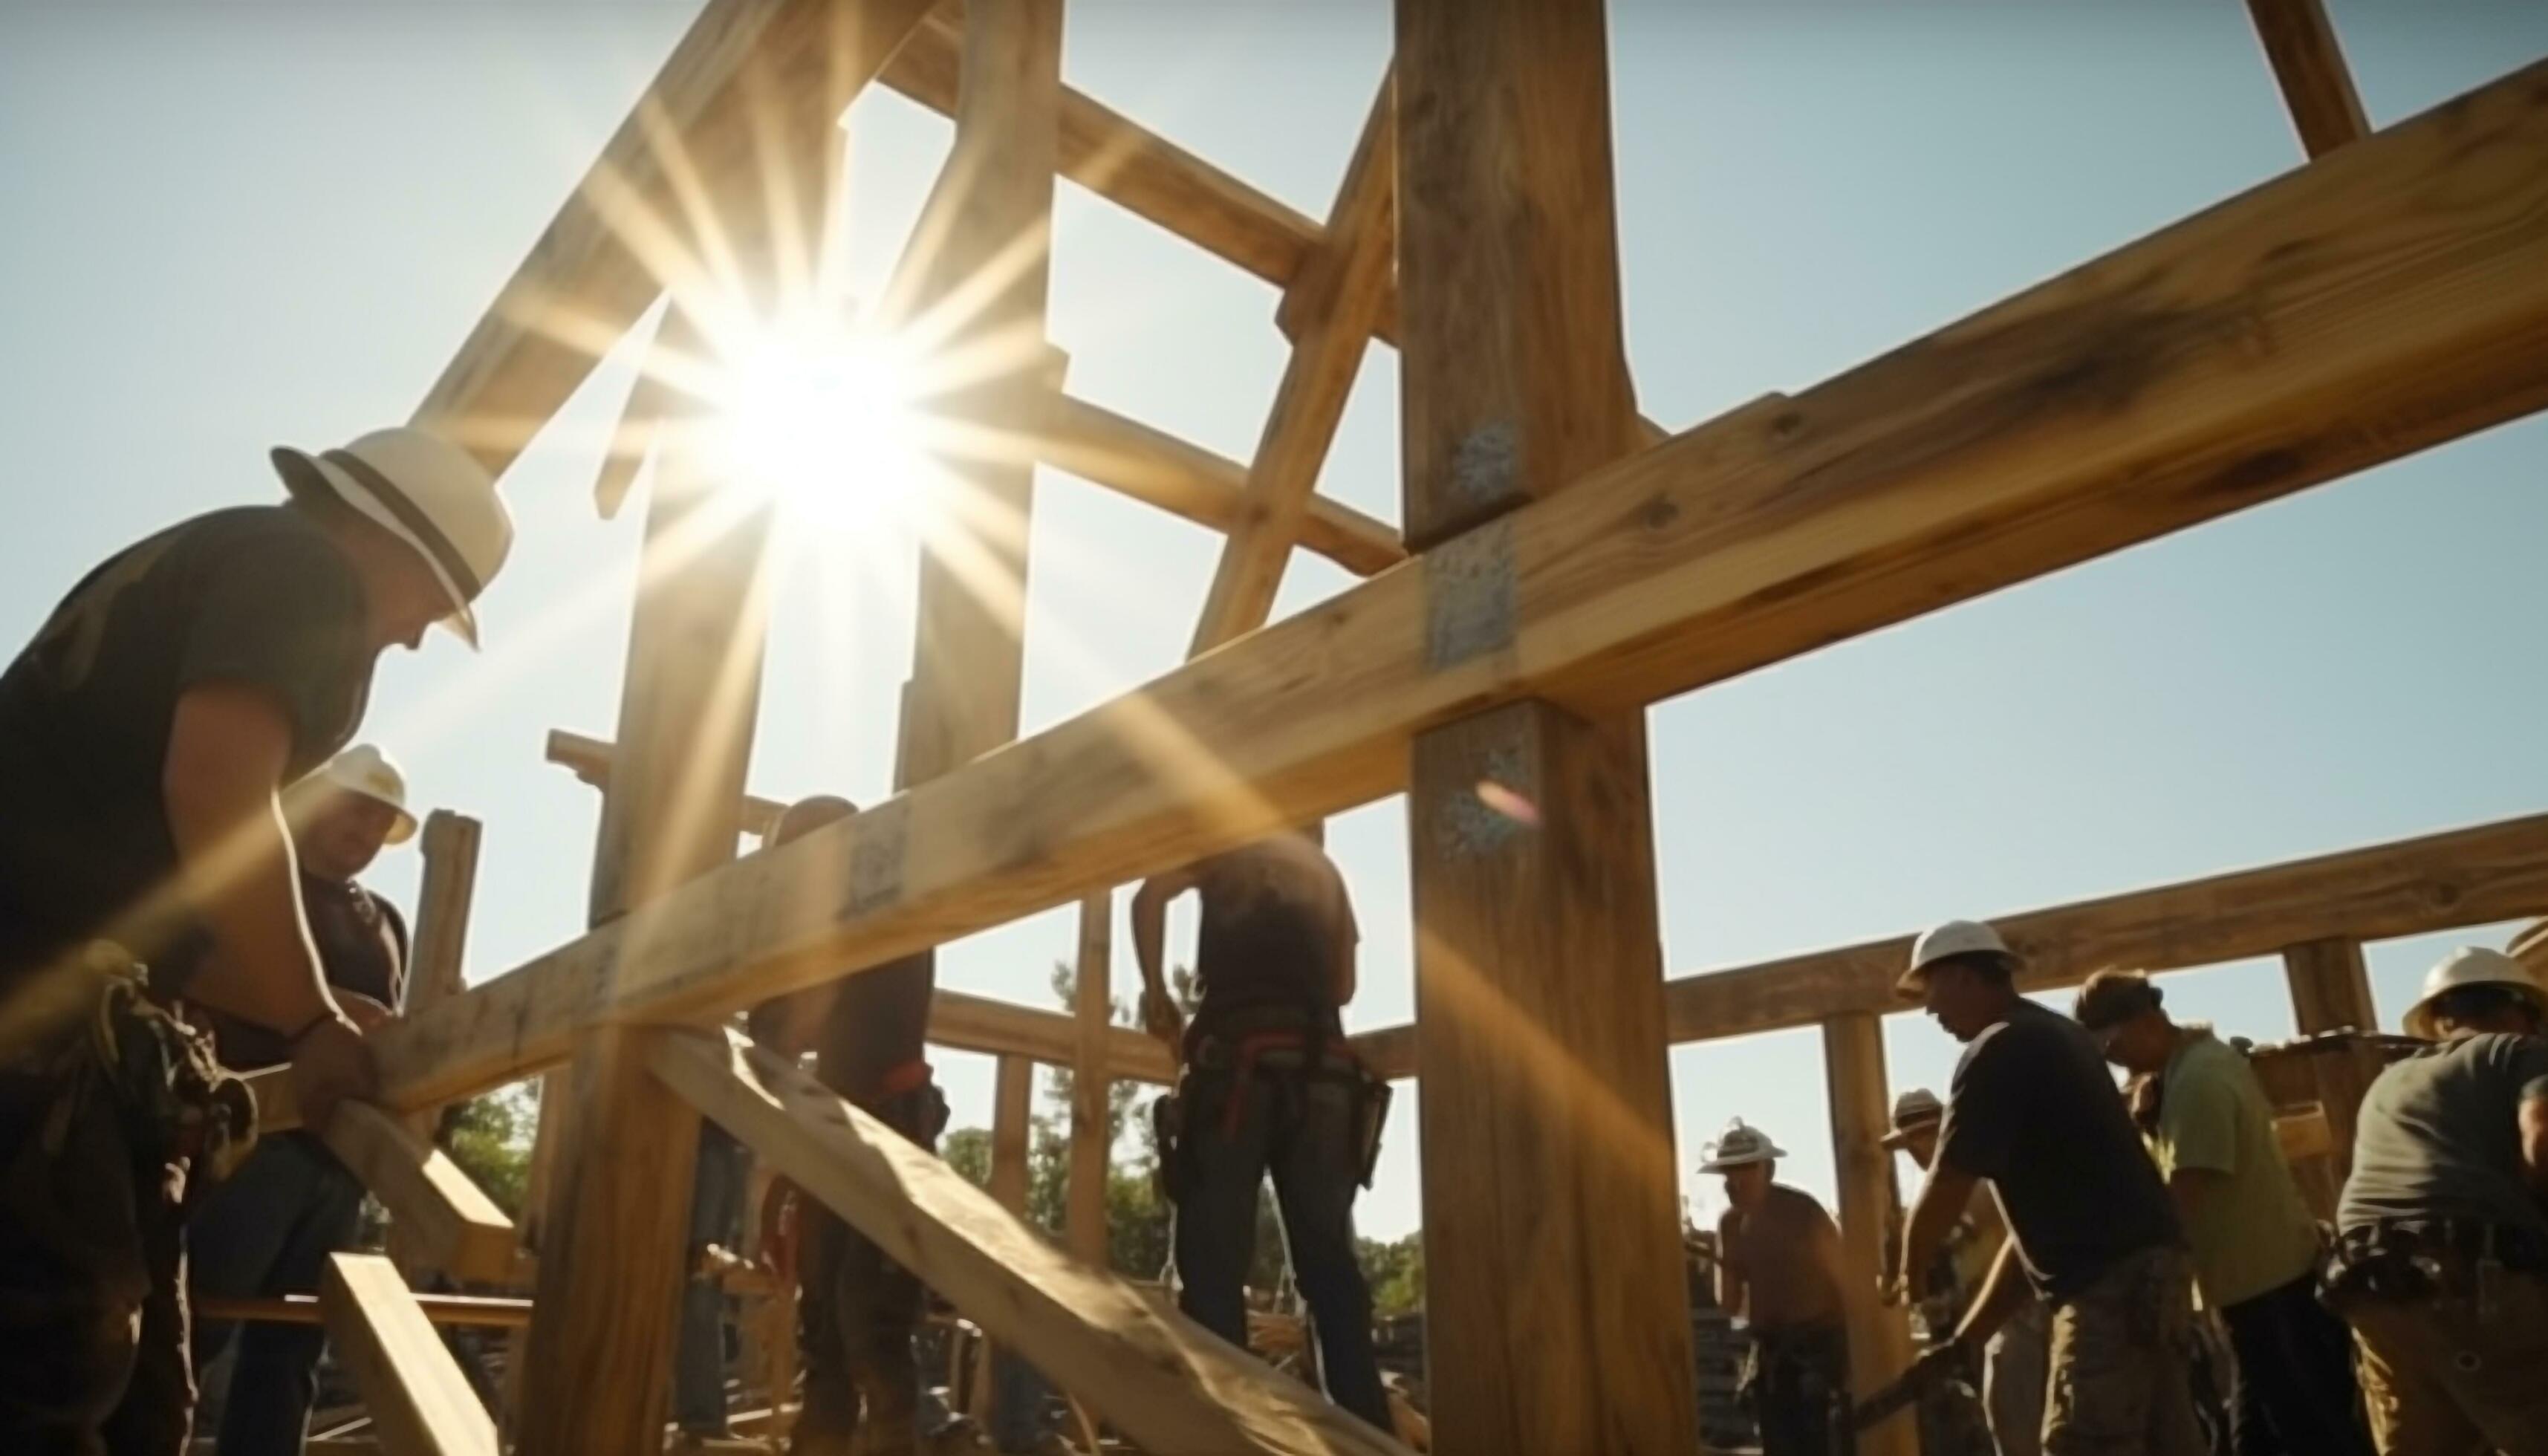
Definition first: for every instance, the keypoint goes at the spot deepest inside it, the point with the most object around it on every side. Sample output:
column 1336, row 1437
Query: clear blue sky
column 275, row 222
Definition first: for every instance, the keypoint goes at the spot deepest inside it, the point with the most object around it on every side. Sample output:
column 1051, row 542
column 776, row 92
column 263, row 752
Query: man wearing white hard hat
column 1778, row 1266
column 266, row 1231
column 2033, row 1112
column 2442, row 1232
column 146, row 733
column 2013, row 1360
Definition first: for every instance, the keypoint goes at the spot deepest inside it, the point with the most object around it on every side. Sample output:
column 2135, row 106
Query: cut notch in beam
column 420, row 1402
column 1161, row 1379
column 2383, row 299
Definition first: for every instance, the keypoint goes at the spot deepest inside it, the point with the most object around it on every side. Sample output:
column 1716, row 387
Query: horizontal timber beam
column 1163, row 1380
column 477, row 1311
column 589, row 759
column 2381, row 300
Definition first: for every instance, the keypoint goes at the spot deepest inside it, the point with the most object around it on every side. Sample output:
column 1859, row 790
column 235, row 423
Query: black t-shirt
column 877, row 1023
column 2034, row 1110
column 361, row 940
column 256, row 596
column 1275, row 914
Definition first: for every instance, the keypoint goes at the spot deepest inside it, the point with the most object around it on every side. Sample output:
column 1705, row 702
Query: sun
column 825, row 420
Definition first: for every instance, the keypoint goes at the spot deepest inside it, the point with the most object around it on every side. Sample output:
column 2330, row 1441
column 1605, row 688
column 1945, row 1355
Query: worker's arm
column 2004, row 1292
column 1729, row 1280
column 1160, row 1012
column 2189, row 1187
column 1943, row 1197
column 2534, row 1144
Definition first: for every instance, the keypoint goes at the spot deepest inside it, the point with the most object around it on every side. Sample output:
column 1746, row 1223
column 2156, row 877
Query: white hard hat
column 429, row 493
column 1954, row 937
column 2470, row 966
column 1916, row 1107
column 365, row 770
column 1739, row 1145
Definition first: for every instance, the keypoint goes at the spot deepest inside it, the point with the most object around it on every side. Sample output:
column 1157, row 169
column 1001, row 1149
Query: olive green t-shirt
column 2252, row 1234
column 257, row 596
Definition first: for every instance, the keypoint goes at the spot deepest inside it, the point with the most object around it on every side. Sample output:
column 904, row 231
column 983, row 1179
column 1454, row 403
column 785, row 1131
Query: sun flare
column 826, row 420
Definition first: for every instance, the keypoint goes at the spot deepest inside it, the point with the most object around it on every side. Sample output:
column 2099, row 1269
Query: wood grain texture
column 449, row 845
column 1862, row 1104
column 2309, row 65
column 2383, row 299
column 1164, row 1381
column 750, row 78
column 1092, row 1080
column 420, row 1401
column 2330, row 986
column 445, row 1220
column 1341, row 306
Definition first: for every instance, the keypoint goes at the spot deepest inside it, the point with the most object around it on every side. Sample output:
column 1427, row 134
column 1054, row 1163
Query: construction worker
column 2442, row 1231
column 1778, row 1267
column 145, row 734
column 2032, row 1111
column 267, row 1229
column 2256, row 1245
column 1269, row 1086
column 858, row 1309
column 2013, row 1361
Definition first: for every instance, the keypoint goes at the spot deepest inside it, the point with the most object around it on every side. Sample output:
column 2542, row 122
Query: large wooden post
column 1091, row 1088
column 1557, row 1315
column 1879, row 1337
column 2330, row 986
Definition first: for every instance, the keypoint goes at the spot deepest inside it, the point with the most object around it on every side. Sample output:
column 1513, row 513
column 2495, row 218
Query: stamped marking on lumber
column 875, row 861
column 1504, row 804
column 1469, row 595
column 1486, row 466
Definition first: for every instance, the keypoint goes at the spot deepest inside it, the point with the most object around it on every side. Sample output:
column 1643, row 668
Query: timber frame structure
column 1562, row 564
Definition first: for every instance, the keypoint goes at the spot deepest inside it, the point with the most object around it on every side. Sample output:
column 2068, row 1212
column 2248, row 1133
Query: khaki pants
column 2443, row 1379
column 2012, row 1381
column 2121, row 1349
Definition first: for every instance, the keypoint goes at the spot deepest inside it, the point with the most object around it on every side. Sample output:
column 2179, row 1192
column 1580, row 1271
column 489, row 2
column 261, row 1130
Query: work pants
column 855, row 1313
column 2121, row 1349
column 2016, row 1365
column 1304, row 1130
column 266, row 1231
column 1799, row 1387
column 2293, row 1392
column 2449, row 1374
column 716, row 1217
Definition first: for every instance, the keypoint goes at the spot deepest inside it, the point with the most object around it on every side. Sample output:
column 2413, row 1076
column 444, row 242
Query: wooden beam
column 995, row 1027
column 420, row 1402
column 589, row 759
column 1192, row 483
column 1092, row 1082
column 445, row 1219
column 2383, row 299
column 2330, row 986
column 1879, row 1336
column 2530, row 948
column 749, row 80
column 449, row 843
column 477, row 1310
column 1557, row 1312
column 2300, row 45
column 1342, row 300
column 1012, row 1114
column 1168, row 1385
column 2305, row 1133
column 2469, row 876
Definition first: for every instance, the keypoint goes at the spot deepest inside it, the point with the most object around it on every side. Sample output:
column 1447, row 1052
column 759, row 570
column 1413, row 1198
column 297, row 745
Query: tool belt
column 1246, row 1057
column 2404, row 1259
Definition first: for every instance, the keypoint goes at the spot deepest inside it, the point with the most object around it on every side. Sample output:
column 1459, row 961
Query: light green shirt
column 2250, row 1230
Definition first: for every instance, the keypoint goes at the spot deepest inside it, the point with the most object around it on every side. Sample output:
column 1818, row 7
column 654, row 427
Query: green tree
column 490, row 1137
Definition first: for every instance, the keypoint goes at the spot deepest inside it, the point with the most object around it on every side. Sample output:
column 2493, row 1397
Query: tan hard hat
column 1737, row 1146
column 1917, row 1108
column 2470, row 966
column 429, row 493
column 365, row 770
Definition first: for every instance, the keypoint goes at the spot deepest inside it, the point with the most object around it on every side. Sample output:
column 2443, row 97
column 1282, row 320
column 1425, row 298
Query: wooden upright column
column 1879, row 1337
column 1012, row 1126
column 1557, row 1312
column 2330, row 986
column 449, row 844
column 1091, row 1088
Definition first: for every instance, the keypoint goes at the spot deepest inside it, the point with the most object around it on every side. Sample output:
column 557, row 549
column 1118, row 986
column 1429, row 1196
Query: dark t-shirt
column 879, row 1022
column 2439, row 1136
column 1274, row 916
column 2034, row 1110
column 362, row 946
column 258, row 595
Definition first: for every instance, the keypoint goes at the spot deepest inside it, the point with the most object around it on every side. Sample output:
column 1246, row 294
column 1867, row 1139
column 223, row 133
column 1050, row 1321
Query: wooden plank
column 477, row 1310
column 2469, row 876
column 589, row 759
column 1012, row 1113
column 1327, row 355
column 1092, row 1150
column 1192, row 483
column 1168, row 1385
column 449, row 1223
column 750, row 79
column 449, row 843
column 2530, row 948
column 2330, row 986
column 2383, row 299
column 1880, row 1336
column 421, row 1403
column 2304, row 1135
column 2300, row 45
column 1557, row 1314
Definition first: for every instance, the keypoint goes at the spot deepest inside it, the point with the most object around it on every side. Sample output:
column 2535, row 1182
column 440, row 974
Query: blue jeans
column 716, row 1217
column 267, row 1232
column 1303, row 1130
